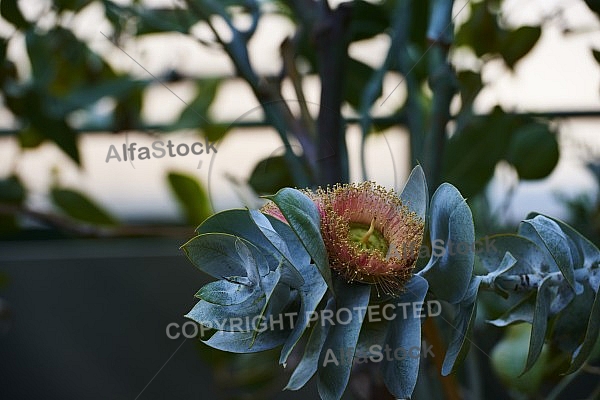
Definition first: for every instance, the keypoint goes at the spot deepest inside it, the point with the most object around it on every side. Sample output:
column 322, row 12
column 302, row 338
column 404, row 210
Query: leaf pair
column 259, row 280
column 564, row 266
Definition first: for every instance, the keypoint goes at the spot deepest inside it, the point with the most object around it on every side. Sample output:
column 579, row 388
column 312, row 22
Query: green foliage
column 12, row 190
column 533, row 150
column 10, row 11
column 463, row 324
column 451, row 228
column 270, row 175
column 549, row 269
column 483, row 141
column 191, row 196
column 358, row 75
column 400, row 376
column 415, row 194
column 12, row 193
column 266, row 267
column 487, row 37
column 369, row 20
column 245, row 291
column 196, row 113
column 67, row 76
column 80, row 207
column 560, row 265
column 333, row 377
column 303, row 216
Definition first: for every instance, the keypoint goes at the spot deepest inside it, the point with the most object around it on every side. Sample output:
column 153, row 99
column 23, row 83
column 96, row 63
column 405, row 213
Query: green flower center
column 367, row 237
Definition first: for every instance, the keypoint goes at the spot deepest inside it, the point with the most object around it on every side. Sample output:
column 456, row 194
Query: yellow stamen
column 367, row 236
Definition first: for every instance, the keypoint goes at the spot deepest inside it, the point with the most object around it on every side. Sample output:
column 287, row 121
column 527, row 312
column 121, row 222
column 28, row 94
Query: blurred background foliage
column 54, row 102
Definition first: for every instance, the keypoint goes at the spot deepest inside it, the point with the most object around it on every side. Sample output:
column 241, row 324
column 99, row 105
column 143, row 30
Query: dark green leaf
column 12, row 190
column 127, row 113
column 214, row 131
column 357, row 74
column 480, row 32
column 65, row 137
column 594, row 5
column 74, row 5
column 270, row 175
column 157, row 20
column 473, row 152
column 42, row 126
column 533, row 150
column 196, row 113
column 30, row 138
column 191, row 196
column 516, row 44
column 60, row 62
column 86, row 95
column 9, row 9
column 80, row 207
column 368, row 20
column 596, row 54
column 470, row 84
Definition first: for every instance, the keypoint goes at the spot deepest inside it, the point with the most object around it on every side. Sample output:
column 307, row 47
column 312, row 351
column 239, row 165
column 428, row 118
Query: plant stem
column 331, row 43
column 443, row 85
column 276, row 109
column 399, row 36
column 529, row 282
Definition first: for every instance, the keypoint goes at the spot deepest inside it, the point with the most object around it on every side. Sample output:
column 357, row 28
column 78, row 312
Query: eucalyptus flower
column 325, row 251
column 370, row 235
